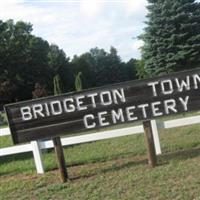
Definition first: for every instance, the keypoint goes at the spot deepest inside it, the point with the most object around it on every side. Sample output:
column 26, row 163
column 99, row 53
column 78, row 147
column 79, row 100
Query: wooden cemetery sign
column 125, row 102
column 104, row 106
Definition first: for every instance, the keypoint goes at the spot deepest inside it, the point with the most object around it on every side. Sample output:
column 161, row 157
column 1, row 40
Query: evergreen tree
column 78, row 82
column 56, row 85
column 141, row 71
column 130, row 69
column 172, row 36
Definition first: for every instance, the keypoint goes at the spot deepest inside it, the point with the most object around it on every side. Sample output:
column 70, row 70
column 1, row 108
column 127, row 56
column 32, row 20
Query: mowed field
column 110, row 169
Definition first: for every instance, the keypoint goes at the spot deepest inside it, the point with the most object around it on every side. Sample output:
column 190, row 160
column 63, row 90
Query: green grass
column 110, row 169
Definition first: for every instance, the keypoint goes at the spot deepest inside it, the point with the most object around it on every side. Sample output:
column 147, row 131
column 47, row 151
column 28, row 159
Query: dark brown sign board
column 110, row 105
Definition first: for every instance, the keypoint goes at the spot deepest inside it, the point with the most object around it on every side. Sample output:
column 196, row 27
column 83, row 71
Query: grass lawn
column 110, row 169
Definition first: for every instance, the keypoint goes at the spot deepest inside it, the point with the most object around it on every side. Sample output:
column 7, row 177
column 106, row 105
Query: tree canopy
column 29, row 65
column 99, row 67
column 172, row 36
column 26, row 60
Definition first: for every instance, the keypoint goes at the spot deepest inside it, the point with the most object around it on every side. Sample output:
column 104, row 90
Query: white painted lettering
column 181, row 84
column 196, row 78
column 86, row 119
column 46, row 109
column 118, row 95
column 143, row 107
column 37, row 111
column 155, row 109
column 56, row 108
column 92, row 96
column 117, row 115
column 130, row 113
column 153, row 85
column 68, row 107
column 184, row 102
column 102, row 119
column 166, row 90
column 102, row 98
column 170, row 104
column 26, row 113
column 79, row 102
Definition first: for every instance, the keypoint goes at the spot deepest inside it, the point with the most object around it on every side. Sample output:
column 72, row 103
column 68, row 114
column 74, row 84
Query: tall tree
column 26, row 60
column 172, row 36
column 141, row 70
column 7, row 93
column 130, row 69
column 99, row 67
column 84, row 64
column 60, row 66
column 13, row 46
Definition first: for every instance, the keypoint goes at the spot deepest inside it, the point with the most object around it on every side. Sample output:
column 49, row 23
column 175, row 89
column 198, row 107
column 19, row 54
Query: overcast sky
column 76, row 26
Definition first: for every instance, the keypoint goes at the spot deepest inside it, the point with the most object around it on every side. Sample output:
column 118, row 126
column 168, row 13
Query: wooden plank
column 181, row 122
column 95, row 136
column 150, row 143
column 15, row 149
column 105, row 106
column 156, row 137
column 60, row 158
column 4, row 131
column 37, row 154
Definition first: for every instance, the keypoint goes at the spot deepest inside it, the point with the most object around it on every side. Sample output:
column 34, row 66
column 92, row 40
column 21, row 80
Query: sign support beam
column 152, row 159
column 60, row 158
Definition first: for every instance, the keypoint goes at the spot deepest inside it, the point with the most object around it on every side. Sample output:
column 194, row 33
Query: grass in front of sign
column 111, row 169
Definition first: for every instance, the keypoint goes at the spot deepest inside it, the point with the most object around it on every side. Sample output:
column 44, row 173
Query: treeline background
column 30, row 67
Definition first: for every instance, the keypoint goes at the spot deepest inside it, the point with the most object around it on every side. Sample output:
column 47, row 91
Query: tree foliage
column 172, row 36
column 30, row 67
column 141, row 71
column 27, row 61
column 99, row 68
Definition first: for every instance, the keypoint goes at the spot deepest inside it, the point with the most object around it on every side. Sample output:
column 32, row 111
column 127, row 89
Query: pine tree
column 172, row 36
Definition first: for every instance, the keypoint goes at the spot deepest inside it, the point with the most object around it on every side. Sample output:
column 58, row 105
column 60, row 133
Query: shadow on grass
column 16, row 157
column 179, row 155
column 105, row 170
column 118, row 161
column 104, row 158
column 162, row 160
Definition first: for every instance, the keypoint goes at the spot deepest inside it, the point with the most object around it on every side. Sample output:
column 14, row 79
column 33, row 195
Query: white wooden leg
column 37, row 157
column 156, row 137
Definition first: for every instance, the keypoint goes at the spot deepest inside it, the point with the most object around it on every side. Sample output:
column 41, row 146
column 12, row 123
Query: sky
column 76, row 26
